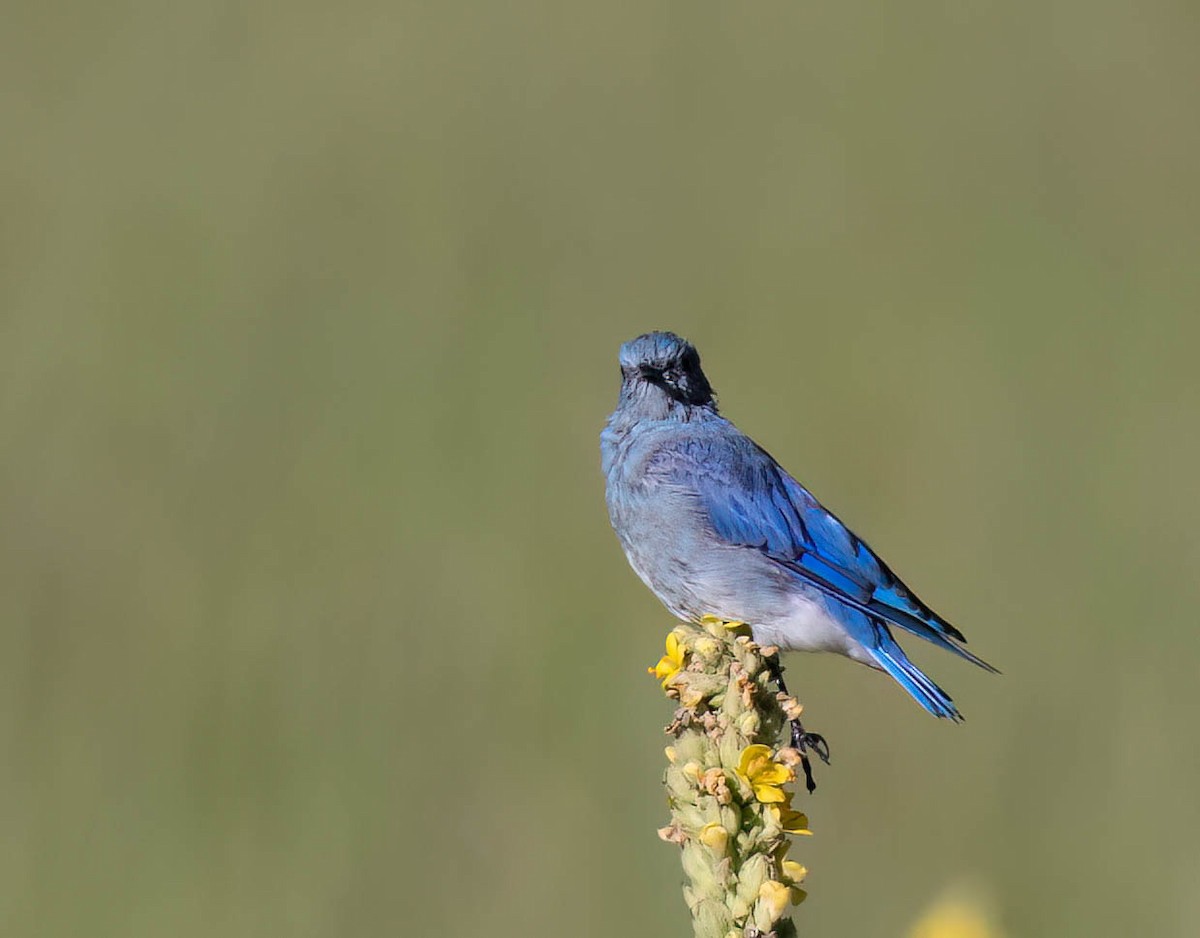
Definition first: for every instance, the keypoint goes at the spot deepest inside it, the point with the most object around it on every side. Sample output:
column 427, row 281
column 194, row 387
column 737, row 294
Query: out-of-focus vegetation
column 955, row 916
column 311, row 622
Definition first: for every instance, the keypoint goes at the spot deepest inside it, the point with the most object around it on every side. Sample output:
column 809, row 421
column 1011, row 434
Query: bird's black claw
column 809, row 783
column 804, row 743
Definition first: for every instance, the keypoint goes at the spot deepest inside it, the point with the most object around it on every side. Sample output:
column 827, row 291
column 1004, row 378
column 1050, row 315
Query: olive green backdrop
column 311, row 622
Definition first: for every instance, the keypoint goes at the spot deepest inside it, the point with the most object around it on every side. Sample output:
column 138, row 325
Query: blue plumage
column 714, row 525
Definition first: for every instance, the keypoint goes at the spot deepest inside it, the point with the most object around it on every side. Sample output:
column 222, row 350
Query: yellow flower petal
column 769, row 794
column 782, row 816
column 751, row 755
column 764, row 774
column 671, row 663
column 794, row 822
column 793, row 872
column 774, row 774
column 774, row 897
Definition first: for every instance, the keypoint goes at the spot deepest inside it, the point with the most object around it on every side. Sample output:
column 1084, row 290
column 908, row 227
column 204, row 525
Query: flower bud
column 672, row 834
column 698, row 865
column 773, row 900
column 715, row 838
column 707, row 647
column 712, row 918
column 754, row 872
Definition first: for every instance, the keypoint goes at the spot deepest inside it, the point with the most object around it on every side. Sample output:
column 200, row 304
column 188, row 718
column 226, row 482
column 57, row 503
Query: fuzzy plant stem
column 730, row 813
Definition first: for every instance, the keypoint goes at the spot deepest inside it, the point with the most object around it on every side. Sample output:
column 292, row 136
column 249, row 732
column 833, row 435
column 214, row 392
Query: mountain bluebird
column 714, row 526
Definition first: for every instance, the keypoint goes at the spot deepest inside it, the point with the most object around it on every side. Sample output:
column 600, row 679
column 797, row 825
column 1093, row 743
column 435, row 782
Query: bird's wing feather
column 752, row 501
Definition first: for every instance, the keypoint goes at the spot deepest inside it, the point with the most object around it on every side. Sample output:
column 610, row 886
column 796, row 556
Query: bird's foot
column 804, row 743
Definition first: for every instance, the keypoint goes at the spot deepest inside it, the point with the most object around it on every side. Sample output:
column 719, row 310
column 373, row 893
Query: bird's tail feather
column 911, row 623
column 892, row 659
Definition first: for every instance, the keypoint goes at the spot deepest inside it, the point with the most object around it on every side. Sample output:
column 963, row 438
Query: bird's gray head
column 661, row 372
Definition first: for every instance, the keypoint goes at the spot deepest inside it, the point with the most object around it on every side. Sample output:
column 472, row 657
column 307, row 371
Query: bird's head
column 662, row 370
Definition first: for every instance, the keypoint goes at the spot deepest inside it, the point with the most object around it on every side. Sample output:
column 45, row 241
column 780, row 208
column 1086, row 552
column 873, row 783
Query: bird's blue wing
column 752, row 501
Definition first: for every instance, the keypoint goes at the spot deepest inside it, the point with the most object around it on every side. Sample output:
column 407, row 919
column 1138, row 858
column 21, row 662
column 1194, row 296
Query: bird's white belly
column 809, row 627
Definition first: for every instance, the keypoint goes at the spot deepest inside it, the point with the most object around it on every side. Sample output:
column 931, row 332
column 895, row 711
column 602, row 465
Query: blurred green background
column 311, row 622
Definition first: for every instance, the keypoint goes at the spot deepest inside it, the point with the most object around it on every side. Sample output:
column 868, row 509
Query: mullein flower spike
column 730, row 813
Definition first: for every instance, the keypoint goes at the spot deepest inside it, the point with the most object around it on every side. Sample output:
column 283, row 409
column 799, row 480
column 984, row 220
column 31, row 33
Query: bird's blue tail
column 892, row 659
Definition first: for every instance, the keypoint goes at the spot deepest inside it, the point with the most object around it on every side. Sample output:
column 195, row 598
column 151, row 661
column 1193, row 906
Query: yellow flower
column 794, row 822
column 671, row 663
column 732, row 624
column 774, row 898
column 954, row 918
column 793, row 872
column 790, row 821
column 764, row 774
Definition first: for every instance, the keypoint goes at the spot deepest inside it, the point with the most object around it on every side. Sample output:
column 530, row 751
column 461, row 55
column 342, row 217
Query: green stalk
column 730, row 814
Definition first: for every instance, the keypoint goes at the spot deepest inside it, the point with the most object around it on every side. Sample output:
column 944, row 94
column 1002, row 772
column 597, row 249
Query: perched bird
column 715, row 526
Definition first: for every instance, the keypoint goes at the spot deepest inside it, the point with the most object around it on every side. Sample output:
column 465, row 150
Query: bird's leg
column 802, row 741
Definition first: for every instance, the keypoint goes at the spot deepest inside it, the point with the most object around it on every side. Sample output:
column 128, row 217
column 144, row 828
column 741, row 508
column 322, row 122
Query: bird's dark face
column 662, row 362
